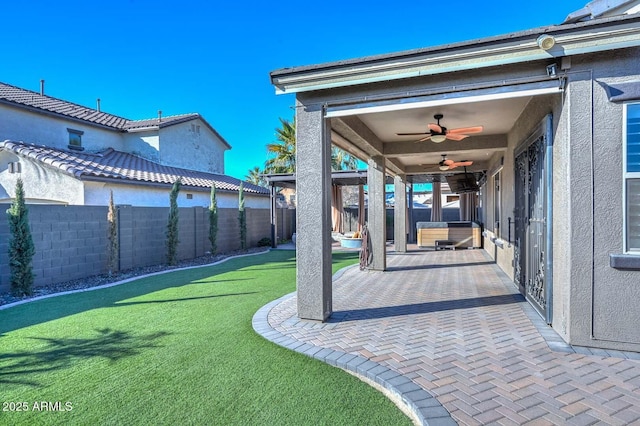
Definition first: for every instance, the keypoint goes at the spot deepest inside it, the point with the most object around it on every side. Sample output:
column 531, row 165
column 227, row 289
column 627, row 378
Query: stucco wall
column 204, row 148
column 98, row 193
column 144, row 144
column 43, row 129
column 497, row 244
column 605, row 297
column 41, row 183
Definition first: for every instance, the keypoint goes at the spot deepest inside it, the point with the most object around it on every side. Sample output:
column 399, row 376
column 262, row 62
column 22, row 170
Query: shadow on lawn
column 20, row 367
column 183, row 299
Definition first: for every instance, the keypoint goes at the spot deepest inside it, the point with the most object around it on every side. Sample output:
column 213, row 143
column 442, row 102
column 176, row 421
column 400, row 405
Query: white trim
column 404, row 105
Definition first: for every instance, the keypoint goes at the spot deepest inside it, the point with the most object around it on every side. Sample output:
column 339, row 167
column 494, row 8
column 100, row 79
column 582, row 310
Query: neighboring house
column 557, row 160
column 70, row 154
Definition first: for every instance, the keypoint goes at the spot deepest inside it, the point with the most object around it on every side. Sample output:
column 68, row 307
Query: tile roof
column 163, row 122
column 121, row 166
column 35, row 101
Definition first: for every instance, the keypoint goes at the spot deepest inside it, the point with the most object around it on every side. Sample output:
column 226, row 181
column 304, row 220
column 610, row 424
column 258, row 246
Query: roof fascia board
column 581, row 40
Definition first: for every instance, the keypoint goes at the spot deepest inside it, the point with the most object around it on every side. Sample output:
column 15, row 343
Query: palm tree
column 255, row 176
column 342, row 160
column 283, row 151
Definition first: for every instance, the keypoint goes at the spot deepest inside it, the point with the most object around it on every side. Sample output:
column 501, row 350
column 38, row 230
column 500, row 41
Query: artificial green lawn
column 174, row 349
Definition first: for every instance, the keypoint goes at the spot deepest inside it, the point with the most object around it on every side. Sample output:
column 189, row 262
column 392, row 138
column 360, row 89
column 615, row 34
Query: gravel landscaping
column 97, row 280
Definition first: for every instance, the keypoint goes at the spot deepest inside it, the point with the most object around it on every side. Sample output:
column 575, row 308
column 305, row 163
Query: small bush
column 264, row 242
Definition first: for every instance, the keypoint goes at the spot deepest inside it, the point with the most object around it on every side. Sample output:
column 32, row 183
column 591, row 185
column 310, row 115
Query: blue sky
column 214, row 58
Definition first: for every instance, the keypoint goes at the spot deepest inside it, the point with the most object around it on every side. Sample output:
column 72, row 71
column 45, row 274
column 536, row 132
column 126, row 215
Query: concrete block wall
column 285, row 223
column 71, row 241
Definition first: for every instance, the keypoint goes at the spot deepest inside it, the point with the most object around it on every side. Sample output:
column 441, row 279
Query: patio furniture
column 460, row 234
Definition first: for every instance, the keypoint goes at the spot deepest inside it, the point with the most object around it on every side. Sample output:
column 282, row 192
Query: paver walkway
column 450, row 334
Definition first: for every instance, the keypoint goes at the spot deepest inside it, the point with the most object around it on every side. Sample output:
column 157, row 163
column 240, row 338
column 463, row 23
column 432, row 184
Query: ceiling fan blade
column 424, row 139
column 448, row 162
column 466, row 130
column 434, row 127
column 413, row 134
column 463, row 163
column 455, row 137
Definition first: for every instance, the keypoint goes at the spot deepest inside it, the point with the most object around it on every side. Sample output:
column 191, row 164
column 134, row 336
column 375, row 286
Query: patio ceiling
column 369, row 133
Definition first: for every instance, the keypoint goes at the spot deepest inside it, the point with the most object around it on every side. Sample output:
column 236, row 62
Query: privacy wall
column 71, row 241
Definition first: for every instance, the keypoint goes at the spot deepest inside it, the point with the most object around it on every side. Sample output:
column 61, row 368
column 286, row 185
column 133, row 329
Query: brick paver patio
column 449, row 333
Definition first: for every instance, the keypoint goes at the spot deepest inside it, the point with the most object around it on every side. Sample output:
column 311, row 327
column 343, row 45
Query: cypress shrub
column 213, row 220
column 112, row 235
column 172, row 226
column 21, row 248
column 242, row 218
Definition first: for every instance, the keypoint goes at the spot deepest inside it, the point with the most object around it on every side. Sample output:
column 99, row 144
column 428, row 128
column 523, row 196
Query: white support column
column 313, row 213
column 400, row 214
column 377, row 213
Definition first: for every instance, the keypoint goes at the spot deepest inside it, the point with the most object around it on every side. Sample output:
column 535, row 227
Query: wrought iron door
column 530, row 224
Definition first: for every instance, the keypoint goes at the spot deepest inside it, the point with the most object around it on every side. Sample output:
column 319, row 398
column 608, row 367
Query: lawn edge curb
column 125, row 281
column 423, row 406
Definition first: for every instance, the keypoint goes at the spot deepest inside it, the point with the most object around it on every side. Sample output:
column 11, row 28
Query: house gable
column 187, row 141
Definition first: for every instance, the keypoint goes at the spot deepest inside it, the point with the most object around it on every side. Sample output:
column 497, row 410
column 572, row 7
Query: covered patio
column 541, row 121
column 448, row 334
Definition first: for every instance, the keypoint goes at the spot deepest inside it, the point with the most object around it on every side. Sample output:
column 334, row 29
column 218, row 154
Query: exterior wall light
column 546, row 42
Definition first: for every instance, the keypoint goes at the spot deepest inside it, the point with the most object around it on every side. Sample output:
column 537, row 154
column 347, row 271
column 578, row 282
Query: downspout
column 548, row 157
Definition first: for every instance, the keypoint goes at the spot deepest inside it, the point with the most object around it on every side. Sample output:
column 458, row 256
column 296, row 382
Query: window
column 75, row 139
column 496, row 204
column 632, row 178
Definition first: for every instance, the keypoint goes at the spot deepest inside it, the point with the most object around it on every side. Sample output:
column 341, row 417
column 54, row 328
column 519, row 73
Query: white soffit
column 455, row 98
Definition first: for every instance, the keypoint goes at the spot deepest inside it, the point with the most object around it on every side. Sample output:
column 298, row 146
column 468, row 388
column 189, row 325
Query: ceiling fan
column 438, row 133
column 450, row 164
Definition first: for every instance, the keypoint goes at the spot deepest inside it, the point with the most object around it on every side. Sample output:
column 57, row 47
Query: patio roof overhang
column 376, row 100
column 570, row 39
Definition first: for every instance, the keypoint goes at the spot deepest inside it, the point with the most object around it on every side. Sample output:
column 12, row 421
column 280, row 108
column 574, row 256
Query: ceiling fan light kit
column 446, row 164
column 439, row 134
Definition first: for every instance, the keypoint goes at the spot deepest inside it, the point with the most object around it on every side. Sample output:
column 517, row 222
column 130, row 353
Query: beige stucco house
column 71, row 154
